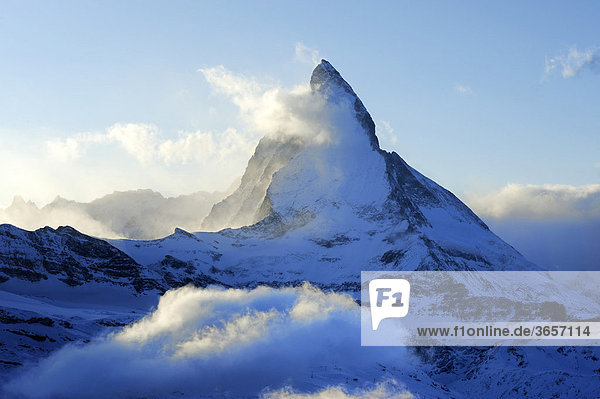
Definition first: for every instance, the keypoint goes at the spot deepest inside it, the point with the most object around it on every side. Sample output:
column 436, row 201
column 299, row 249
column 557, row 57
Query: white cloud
column 313, row 304
column 202, row 145
column 571, row 63
column 462, row 89
column 227, row 343
column 179, row 308
column 137, row 139
column 244, row 91
column 239, row 331
column 386, row 135
column 539, row 202
column 87, row 166
column 64, row 150
column 134, row 138
column 145, row 143
column 298, row 112
column 307, row 55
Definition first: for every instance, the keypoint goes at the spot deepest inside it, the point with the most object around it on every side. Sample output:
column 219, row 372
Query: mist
column 137, row 214
column 554, row 226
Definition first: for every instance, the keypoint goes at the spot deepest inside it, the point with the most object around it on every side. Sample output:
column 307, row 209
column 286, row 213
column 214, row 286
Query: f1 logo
column 389, row 298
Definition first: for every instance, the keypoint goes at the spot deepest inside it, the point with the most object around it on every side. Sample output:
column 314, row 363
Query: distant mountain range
column 136, row 214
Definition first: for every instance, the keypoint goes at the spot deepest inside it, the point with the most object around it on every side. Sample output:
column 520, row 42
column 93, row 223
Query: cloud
column 297, row 113
column 386, row 135
column 199, row 146
column 241, row 330
column 271, row 343
column 65, row 150
column 145, row 143
column 307, row 55
column 244, row 91
column 137, row 139
column 313, row 304
column 551, row 225
column 571, row 63
column 539, row 202
column 462, row 89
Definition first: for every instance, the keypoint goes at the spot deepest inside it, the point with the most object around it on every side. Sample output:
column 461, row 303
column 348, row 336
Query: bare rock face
column 64, row 253
column 249, row 204
column 326, row 79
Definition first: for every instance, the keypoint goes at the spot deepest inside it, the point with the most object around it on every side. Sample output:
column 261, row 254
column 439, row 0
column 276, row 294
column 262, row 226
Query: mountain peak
column 327, row 80
column 18, row 203
column 18, row 200
column 325, row 76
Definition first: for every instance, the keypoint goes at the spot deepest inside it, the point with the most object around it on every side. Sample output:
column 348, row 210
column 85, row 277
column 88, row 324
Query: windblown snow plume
column 273, row 111
column 276, row 343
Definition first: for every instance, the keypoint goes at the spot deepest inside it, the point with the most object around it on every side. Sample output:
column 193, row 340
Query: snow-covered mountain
column 320, row 207
column 325, row 209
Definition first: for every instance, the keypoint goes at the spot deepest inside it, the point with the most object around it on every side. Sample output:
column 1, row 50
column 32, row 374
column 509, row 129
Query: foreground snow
column 287, row 342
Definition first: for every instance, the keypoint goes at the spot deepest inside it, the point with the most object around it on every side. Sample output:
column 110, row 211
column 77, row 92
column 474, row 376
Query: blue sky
column 462, row 85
